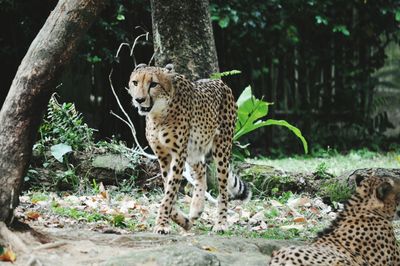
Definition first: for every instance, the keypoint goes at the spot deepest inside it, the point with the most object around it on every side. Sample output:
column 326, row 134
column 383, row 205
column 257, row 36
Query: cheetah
column 184, row 122
column 362, row 234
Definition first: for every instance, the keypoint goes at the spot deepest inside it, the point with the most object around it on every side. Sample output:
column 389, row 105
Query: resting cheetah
column 185, row 121
column 362, row 234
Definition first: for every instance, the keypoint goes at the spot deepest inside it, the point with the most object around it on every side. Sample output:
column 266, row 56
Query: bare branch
column 151, row 59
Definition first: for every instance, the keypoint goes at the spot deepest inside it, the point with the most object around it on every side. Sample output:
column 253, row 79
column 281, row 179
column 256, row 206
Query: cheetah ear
column 359, row 179
column 357, row 176
column 170, row 68
column 142, row 65
column 383, row 190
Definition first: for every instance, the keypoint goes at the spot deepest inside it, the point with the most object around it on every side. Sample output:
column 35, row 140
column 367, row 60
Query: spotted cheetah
column 362, row 234
column 184, row 121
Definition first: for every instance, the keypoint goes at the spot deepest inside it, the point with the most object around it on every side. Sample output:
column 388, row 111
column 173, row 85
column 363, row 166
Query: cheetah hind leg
column 221, row 153
column 198, row 172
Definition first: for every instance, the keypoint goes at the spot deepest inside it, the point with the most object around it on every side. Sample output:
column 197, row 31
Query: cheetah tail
column 238, row 189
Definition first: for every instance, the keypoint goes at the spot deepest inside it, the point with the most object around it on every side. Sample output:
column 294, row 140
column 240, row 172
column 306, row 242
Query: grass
column 334, row 163
column 278, row 220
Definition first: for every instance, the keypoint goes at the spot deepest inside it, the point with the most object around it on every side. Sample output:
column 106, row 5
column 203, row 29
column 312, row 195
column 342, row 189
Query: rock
column 200, row 250
column 118, row 163
column 173, row 255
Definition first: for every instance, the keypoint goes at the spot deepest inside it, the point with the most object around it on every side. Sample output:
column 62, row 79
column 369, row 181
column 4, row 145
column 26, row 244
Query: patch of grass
column 336, row 191
column 79, row 215
column 118, row 220
column 339, row 163
column 39, row 196
column 272, row 233
column 322, row 170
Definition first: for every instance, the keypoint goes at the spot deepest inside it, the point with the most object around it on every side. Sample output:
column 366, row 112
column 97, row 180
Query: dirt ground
column 76, row 246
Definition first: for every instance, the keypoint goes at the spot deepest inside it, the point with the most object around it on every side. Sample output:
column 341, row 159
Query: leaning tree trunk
column 30, row 91
column 183, row 35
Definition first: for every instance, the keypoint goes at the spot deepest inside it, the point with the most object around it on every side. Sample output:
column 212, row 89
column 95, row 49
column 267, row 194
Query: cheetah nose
column 140, row 100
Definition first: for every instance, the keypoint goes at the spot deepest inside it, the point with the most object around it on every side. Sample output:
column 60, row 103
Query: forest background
column 332, row 68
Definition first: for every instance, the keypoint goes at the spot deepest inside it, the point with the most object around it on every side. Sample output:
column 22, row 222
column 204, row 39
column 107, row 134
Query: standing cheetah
column 184, row 121
column 362, row 234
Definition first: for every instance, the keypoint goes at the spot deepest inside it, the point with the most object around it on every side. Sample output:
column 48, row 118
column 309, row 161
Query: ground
column 107, row 226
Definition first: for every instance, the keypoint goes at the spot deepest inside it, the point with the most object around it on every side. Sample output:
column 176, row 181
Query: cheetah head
column 151, row 87
column 380, row 190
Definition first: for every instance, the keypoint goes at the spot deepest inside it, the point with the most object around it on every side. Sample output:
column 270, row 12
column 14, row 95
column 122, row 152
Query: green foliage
column 224, row 74
column 342, row 29
column 251, row 111
column 289, row 49
column 118, row 220
column 59, row 150
column 79, row 215
column 63, row 126
column 336, row 191
column 68, row 176
column 322, row 170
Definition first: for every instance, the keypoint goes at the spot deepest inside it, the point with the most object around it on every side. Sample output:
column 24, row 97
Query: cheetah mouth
column 144, row 110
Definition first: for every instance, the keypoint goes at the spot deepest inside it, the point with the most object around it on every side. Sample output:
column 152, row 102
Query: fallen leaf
column 299, row 219
column 32, row 215
column 103, row 191
column 209, row 248
column 7, row 254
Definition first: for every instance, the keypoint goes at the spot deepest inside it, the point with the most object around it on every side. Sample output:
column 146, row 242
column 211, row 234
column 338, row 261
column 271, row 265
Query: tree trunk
column 183, row 36
column 36, row 79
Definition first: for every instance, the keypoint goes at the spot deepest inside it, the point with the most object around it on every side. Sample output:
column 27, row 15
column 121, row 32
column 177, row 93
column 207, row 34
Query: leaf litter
column 297, row 217
column 300, row 215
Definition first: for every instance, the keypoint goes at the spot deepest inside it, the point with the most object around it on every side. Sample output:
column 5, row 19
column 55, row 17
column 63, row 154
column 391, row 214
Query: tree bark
column 30, row 91
column 183, row 35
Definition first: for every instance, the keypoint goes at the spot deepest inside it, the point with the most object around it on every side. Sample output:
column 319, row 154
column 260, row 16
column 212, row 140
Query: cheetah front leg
column 167, row 209
column 176, row 215
column 221, row 153
column 198, row 172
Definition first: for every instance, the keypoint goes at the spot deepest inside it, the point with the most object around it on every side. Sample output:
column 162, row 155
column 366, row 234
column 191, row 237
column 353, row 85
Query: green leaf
column 120, row 17
column 321, row 20
column 224, row 22
column 219, row 75
column 59, row 150
column 250, row 113
column 342, row 29
column 397, row 15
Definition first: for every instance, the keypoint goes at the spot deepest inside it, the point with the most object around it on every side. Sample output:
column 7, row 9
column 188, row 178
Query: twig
column 128, row 121
column 151, row 59
column 134, row 45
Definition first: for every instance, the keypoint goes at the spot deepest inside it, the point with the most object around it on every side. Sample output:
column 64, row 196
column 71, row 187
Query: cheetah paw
column 220, row 228
column 162, row 229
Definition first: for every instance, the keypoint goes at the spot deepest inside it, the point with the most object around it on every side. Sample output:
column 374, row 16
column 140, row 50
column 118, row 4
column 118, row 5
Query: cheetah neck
column 355, row 229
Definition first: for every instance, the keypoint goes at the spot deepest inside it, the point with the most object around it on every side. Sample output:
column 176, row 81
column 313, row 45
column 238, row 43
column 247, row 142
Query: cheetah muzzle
column 184, row 122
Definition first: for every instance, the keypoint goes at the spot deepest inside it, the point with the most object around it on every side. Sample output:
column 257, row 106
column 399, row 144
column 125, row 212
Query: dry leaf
column 299, row 219
column 32, row 215
column 209, row 248
column 8, row 255
column 103, row 191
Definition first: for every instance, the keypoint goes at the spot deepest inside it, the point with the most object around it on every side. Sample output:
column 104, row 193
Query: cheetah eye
column 153, row 84
column 134, row 83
